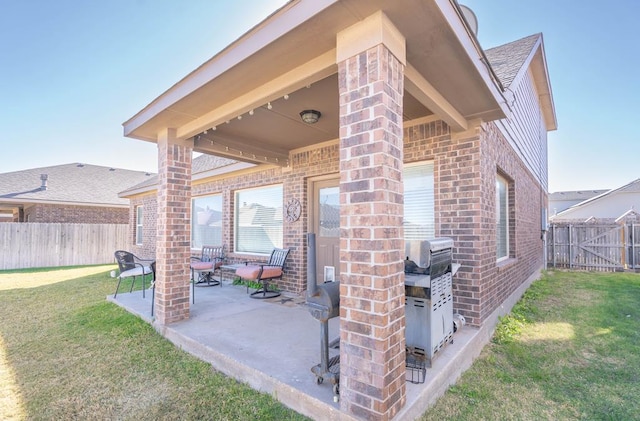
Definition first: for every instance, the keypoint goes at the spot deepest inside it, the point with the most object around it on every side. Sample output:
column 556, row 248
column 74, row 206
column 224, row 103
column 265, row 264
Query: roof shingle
column 70, row 183
column 507, row 60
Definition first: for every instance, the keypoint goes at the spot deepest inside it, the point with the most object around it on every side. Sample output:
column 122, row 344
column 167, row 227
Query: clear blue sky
column 72, row 71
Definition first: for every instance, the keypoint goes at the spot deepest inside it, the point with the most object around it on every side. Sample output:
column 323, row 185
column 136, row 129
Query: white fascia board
column 548, row 106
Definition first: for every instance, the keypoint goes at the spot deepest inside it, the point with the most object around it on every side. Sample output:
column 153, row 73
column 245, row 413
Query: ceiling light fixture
column 310, row 116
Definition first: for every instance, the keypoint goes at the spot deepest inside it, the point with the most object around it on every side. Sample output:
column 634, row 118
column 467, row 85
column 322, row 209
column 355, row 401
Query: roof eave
column 215, row 172
column 205, row 99
column 277, row 24
column 546, row 96
column 468, row 39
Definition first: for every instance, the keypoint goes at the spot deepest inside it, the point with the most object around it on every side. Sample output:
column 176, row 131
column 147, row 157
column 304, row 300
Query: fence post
column 570, row 247
column 553, row 244
column 624, row 255
column 632, row 258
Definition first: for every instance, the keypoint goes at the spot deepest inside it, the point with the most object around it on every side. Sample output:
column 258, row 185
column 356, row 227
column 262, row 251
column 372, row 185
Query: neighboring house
column 418, row 133
column 70, row 193
column 559, row 201
column 608, row 206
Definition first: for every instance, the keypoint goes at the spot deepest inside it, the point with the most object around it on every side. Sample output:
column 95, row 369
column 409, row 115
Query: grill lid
column 441, row 243
column 419, row 251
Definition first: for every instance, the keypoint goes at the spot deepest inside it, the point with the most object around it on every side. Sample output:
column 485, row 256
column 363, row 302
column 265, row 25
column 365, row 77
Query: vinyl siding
column 526, row 130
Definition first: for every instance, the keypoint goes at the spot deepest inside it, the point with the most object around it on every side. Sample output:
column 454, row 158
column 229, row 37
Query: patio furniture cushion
column 202, row 265
column 263, row 273
column 252, row 272
column 137, row 271
column 203, row 268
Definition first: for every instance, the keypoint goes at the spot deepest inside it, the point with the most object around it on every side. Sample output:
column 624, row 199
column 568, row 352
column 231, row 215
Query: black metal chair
column 265, row 273
column 153, row 285
column 205, row 266
column 131, row 266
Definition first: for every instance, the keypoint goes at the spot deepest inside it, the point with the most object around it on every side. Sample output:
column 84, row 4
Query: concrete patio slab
column 272, row 344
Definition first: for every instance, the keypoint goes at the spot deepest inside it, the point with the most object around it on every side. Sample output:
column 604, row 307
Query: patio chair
column 265, row 273
column 131, row 266
column 203, row 268
column 153, row 285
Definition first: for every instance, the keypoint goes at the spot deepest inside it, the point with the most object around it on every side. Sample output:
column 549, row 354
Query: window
column 206, row 221
column 419, row 215
column 502, row 217
column 258, row 220
column 329, row 212
column 138, row 232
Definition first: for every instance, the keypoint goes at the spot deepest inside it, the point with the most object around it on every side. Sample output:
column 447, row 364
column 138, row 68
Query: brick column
column 372, row 321
column 173, row 243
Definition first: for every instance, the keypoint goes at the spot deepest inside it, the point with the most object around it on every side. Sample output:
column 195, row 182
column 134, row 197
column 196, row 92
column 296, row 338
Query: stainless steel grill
column 428, row 299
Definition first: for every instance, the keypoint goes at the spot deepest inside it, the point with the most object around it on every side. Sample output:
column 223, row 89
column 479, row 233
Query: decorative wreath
column 293, row 210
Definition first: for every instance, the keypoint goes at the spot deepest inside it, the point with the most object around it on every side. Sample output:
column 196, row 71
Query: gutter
column 480, row 51
column 477, row 45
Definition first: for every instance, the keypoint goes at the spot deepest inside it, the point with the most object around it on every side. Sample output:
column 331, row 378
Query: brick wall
column 303, row 166
column 147, row 249
column 76, row 214
column 466, row 166
column 464, row 205
column 498, row 280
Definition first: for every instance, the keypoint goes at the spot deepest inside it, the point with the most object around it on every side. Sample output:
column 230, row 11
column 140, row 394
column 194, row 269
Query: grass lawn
column 65, row 353
column 569, row 350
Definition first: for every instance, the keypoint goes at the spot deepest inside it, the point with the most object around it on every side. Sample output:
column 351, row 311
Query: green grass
column 253, row 284
column 65, row 353
column 570, row 349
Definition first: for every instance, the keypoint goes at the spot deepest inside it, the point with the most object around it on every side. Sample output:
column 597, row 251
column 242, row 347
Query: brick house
column 142, row 212
column 69, row 193
column 418, row 132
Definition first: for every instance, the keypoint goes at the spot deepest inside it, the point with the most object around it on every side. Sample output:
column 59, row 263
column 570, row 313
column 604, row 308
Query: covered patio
column 371, row 72
column 272, row 344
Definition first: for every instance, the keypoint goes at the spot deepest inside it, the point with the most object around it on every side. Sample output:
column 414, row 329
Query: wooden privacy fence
column 29, row 244
column 590, row 246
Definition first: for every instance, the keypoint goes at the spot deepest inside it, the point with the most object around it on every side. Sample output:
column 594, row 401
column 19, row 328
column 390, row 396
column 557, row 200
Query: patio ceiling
column 234, row 104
